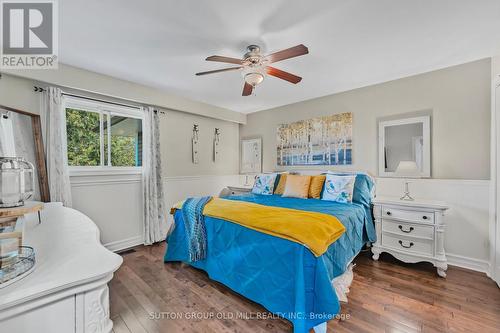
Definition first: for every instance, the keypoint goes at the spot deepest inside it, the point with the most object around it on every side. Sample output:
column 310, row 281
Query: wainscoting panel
column 114, row 203
column 467, row 220
column 181, row 187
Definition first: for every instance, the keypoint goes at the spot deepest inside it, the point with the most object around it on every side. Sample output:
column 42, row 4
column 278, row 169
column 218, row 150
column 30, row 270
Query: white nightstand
column 412, row 231
column 239, row 189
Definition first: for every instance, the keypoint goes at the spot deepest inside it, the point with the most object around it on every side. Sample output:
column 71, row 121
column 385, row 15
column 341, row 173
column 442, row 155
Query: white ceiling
column 351, row 43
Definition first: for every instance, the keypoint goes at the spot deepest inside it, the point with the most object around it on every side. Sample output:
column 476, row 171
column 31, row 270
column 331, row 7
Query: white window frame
column 104, row 109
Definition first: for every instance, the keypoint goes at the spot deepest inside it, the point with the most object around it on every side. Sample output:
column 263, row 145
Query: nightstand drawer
column 408, row 229
column 238, row 190
column 408, row 244
column 407, row 215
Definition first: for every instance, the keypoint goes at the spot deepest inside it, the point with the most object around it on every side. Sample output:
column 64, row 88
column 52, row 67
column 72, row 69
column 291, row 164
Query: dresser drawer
column 408, row 215
column 408, row 229
column 408, row 244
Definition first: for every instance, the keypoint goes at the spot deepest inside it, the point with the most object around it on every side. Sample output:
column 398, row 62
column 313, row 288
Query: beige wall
column 120, row 220
column 18, row 93
column 459, row 98
column 83, row 80
column 495, row 67
column 176, row 131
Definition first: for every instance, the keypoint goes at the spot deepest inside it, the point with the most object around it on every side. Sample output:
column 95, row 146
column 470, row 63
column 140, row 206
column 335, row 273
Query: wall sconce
column 216, row 143
column 195, row 142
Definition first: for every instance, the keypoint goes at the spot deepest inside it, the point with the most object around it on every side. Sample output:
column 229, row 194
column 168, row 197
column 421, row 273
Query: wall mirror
column 407, row 139
column 21, row 136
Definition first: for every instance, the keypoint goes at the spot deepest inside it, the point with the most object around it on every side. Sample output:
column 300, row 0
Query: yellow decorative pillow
column 297, row 186
column 281, row 184
column 316, row 186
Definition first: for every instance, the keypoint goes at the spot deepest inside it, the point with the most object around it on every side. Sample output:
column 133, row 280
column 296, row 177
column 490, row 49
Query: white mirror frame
column 426, row 122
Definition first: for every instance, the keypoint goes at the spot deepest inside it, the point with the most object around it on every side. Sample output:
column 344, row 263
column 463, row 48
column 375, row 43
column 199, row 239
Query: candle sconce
column 195, row 143
column 216, row 143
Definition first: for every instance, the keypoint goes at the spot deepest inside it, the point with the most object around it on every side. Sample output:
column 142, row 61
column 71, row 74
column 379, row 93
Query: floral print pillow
column 339, row 188
column 264, row 184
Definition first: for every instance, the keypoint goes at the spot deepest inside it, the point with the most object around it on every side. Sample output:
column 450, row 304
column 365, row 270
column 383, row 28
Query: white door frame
column 494, row 226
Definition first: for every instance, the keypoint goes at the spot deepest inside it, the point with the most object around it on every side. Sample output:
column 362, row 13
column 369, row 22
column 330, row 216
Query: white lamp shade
column 407, row 169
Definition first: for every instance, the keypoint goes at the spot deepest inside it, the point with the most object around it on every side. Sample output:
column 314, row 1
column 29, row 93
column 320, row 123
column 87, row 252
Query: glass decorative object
column 13, row 268
column 17, row 181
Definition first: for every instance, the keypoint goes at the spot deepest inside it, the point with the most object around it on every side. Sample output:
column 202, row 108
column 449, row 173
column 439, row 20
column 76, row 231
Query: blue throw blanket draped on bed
column 194, row 223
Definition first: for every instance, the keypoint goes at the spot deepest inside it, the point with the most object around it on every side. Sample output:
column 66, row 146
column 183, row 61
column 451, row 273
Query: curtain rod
column 100, row 100
column 40, row 89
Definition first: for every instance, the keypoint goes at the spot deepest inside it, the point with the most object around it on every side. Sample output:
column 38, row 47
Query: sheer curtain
column 7, row 146
column 155, row 220
column 53, row 120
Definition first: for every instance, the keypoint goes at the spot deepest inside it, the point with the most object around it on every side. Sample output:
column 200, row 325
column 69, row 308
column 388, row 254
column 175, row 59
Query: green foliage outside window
column 83, row 133
column 82, row 130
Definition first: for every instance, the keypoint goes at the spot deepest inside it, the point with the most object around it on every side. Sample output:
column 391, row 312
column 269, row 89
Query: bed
column 283, row 276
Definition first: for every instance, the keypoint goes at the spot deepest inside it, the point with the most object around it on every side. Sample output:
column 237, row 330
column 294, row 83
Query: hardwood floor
column 386, row 296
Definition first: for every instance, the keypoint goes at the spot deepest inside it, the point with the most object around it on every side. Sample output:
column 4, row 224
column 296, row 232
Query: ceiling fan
column 255, row 66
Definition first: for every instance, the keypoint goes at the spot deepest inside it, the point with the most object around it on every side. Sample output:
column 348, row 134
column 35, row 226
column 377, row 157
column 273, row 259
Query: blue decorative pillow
column 264, row 184
column 339, row 188
column 363, row 187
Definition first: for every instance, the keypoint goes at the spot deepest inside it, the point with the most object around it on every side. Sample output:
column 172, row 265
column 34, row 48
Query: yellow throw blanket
column 314, row 230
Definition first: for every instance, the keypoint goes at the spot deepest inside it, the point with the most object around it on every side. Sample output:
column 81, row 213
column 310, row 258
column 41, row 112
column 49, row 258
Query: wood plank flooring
column 148, row 295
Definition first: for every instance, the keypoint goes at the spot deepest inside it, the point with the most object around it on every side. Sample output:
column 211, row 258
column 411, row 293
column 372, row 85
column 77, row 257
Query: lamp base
column 406, row 194
column 406, row 197
column 247, row 182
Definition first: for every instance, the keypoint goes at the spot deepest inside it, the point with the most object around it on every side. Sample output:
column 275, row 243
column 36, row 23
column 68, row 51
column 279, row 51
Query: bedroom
column 386, row 100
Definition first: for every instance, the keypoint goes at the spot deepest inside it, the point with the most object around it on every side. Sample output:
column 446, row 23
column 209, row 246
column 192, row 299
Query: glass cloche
column 17, row 181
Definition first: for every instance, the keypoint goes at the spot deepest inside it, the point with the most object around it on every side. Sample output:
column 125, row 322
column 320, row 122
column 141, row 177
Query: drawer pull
column 406, row 231
column 388, row 213
column 406, row 246
column 425, row 217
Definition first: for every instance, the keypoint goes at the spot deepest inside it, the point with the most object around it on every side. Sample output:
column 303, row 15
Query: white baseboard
column 124, row 243
column 478, row 265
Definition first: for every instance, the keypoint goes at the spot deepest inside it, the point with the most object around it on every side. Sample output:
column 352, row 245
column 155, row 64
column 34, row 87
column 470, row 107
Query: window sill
column 103, row 171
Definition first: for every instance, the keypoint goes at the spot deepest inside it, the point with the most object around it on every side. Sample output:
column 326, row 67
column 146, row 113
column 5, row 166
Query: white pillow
column 339, row 188
column 264, row 184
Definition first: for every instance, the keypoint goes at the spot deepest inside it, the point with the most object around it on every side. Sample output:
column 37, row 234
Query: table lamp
column 407, row 169
column 249, row 176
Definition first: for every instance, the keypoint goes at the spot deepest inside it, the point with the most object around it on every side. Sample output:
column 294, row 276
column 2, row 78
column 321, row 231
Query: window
column 102, row 134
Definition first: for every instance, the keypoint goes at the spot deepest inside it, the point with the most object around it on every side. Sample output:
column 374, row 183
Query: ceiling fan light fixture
column 254, row 79
column 254, row 66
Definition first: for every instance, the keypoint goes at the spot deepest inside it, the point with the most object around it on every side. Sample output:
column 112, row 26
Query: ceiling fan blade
column 283, row 75
column 247, row 89
column 219, row 70
column 288, row 53
column 225, row 59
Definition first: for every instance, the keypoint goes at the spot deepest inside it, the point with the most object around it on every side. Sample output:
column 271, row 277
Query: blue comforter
column 283, row 276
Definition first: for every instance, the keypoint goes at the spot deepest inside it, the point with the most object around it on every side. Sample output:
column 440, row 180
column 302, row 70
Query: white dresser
column 67, row 291
column 412, row 231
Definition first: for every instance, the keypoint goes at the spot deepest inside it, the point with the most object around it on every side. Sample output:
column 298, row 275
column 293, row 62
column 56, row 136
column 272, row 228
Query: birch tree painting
column 317, row 141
